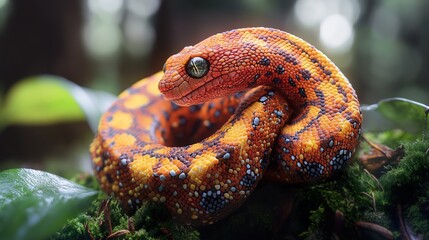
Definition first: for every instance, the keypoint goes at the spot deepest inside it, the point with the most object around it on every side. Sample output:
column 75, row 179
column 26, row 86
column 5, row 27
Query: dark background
column 381, row 46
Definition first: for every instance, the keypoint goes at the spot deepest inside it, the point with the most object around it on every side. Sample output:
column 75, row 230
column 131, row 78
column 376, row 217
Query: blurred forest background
column 382, row 46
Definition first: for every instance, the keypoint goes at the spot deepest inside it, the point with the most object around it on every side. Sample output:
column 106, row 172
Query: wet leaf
column 48, row 99
column 39, row 100
column 396, row 113
column 35, row 204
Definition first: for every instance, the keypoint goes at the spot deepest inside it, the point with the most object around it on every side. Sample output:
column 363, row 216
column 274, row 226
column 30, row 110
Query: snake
column 240, row 106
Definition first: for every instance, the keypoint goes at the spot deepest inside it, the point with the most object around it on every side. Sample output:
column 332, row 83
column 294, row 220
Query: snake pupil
column 197, row 67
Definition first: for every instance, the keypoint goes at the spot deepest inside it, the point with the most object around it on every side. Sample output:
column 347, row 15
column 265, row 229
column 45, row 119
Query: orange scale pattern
column 299, row 123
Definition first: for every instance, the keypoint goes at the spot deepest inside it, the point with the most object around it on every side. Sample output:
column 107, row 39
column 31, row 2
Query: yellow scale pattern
column 300, row 122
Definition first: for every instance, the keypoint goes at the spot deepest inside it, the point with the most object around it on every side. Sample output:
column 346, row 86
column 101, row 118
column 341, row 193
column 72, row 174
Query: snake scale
column 195, row 138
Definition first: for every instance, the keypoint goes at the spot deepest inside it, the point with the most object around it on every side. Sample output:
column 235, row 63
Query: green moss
column 407, row 184
column 352, row 193
column 408, row 180
column 147, row 224
column 84, row 226
column 151, row 221
column 418, row 221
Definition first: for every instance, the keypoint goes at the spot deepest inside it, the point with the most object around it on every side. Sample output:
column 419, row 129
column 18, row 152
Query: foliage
column 396, row 113
column 106, row 218
column 409, row 178
column 350, row 193
column 48, row 99
column 407, row 185
column 35, row 204
column 32, row 199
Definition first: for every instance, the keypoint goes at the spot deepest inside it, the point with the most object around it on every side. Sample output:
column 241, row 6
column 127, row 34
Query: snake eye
column 197, row 67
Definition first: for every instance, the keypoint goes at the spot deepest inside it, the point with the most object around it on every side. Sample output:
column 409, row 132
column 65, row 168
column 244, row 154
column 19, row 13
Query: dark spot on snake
column 239, row 94
column 105, row 156
column 109, row 178
column 231, row 109
column 278, row 113
column 290, row 59
column 174, row 106
column 217, row 113
column 305, row 74
column 302, row 92
column 327, row 72
column 322, row 103
column 342, row 92
column 265, row 160
column 251, row 84
column 339, row 160
column 256, row 77
column 291, row 82
column 263, row 38
column 166, row 115
column 212, row 201
column 313, row 169
column 276, row 80
column 182, row 120
column 280, row 69
column 211, row 105
column 249, row 179
column 194, row 108
column 268, row 74
column 265, row 61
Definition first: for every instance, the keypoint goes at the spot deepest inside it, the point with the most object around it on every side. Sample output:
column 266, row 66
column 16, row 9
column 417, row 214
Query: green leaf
column 35, row 204
column 39, row 100
column 396, row 113
column 48, row 99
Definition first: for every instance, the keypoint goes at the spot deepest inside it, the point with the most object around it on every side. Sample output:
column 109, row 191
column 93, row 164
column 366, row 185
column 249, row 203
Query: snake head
column 219, row 65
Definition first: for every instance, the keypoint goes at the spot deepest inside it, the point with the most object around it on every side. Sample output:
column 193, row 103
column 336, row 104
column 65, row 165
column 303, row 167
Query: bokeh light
column 336, row 33
column 332, row 19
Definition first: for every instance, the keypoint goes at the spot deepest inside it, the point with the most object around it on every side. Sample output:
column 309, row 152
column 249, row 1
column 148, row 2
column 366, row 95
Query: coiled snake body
column 299, row 123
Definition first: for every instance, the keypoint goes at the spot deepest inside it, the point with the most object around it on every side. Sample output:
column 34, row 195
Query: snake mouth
column 187, row 99
column 203, row 90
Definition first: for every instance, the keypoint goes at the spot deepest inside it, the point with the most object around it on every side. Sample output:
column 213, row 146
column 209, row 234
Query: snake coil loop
column 300, row 122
